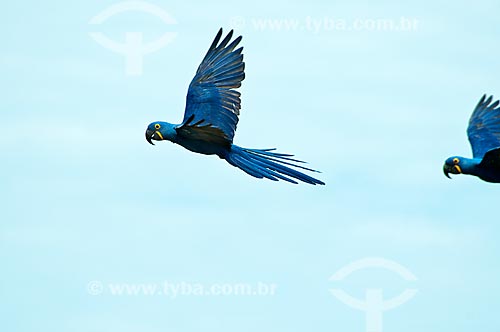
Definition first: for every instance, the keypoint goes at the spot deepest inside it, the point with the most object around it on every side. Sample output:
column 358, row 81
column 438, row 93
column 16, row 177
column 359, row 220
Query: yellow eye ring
column 456, row 161
column 157, row 126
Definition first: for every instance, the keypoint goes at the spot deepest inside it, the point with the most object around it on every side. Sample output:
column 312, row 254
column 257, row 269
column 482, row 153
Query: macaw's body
column 484, row 137
column 211, row 117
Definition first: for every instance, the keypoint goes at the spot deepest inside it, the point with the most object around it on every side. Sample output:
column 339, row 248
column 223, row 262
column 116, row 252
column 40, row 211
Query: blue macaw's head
column 454, row 165
column 156, row 131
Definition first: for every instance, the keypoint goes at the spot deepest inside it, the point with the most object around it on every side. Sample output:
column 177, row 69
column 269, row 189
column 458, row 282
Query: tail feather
column 275, row 157
column 240, row 162
column 269, row 165
column 268, row 152
column 258, row 170
column 264, row 168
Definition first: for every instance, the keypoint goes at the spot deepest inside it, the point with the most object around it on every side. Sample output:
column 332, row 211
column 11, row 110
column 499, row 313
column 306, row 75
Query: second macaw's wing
column 484, row 127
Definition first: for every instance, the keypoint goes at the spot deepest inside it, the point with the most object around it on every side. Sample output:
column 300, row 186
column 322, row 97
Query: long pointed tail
column 270, row 165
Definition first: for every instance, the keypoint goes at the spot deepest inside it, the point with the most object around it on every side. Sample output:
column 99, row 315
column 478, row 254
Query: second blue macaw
column 484, row 137
column 211, row 116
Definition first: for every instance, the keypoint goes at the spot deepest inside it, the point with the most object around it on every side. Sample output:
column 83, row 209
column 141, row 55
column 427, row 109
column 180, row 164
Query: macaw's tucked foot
column 270, row 165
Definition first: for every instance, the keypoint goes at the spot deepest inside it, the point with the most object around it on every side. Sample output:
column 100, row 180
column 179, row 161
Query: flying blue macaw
column 211, row 116
column 484, row 137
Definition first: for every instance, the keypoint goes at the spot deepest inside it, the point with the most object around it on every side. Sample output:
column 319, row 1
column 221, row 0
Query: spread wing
column 212, row 103
column 484, row 127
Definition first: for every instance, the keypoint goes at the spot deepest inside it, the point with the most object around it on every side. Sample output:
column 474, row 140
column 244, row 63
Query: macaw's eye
column 456, row 161
column 157, row 126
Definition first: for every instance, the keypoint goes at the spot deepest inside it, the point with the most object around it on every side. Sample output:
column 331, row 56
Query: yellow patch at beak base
column 161, row 136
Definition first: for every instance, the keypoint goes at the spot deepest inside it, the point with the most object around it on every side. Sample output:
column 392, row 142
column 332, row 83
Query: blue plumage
column 484, row 127
column 484, row 136
column 211, row 116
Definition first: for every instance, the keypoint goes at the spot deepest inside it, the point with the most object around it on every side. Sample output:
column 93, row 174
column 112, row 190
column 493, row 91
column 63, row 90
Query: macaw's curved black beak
column 446, row 170
column 149, row 136
column 453, row 169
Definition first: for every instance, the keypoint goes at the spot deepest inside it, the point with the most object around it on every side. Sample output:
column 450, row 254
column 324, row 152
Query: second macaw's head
column 461, row 165
column 160, row 131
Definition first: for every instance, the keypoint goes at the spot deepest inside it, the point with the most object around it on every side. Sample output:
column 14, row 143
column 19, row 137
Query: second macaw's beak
column 149, row 136
column 453, row 169
column 153, row 135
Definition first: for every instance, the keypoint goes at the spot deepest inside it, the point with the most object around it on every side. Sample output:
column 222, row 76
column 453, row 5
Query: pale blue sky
column 85, row 198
